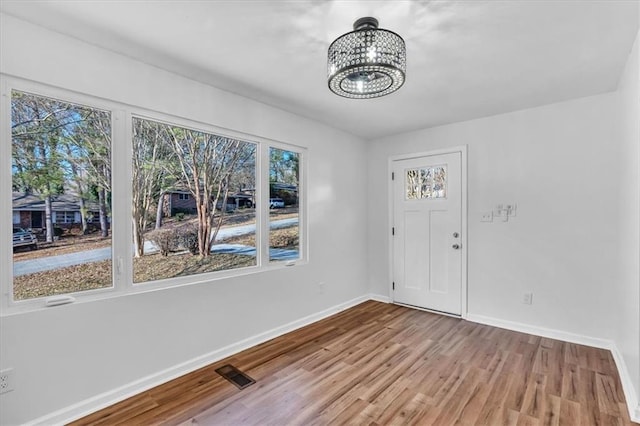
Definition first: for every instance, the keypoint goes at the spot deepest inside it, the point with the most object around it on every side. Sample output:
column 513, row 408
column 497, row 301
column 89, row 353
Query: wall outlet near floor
column 6, row 380
column 527, row 298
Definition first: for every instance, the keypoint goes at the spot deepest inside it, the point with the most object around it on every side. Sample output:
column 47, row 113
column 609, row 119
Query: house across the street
column 182, row 201
column 29, row 210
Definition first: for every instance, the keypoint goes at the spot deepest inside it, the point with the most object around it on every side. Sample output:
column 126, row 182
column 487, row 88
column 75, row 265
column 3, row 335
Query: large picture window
column 110, row 199
column 61, row 170
column 193, row 202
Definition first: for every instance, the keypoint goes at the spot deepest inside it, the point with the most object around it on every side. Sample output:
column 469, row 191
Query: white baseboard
column 628, row 389
column 630, row 394
column 91, row 405
column 541, row 331
column 380, row 298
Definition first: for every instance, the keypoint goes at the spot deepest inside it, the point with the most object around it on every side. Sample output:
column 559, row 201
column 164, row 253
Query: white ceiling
column 465, row 59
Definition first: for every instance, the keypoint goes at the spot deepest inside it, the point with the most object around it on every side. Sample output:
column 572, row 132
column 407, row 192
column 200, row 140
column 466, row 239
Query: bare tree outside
column 96, row 141
column 193, row 199
column 55, row 143
column 207, row 165
column 61, row 175
column 153, row 174
column 200, row 170
column 37, row 129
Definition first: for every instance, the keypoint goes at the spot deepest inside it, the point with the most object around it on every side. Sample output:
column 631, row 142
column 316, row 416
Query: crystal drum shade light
column 366, row 63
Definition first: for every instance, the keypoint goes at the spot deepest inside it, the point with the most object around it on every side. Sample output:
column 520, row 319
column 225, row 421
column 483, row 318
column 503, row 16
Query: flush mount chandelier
column 367, row 62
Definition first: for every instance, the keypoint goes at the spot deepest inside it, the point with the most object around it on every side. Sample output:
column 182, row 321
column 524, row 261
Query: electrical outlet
column 6, row 380
column 527, row 299
column 486, row 217
column 321, row 287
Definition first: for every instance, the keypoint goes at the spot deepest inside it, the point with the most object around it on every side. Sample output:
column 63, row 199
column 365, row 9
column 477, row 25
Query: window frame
column 302, row 249
column 204, row 128
column 122, row 233
column 8, row 84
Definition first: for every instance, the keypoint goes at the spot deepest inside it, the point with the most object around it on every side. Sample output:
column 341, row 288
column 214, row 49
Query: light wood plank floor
column 379, row 364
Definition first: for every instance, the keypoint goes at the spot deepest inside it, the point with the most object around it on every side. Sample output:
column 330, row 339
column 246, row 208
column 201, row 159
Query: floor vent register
column 235, row 376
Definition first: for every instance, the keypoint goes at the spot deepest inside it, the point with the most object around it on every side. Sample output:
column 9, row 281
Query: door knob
column 456, row 246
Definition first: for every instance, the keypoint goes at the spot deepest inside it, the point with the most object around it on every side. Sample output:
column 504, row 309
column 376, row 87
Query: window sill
column 40, row 304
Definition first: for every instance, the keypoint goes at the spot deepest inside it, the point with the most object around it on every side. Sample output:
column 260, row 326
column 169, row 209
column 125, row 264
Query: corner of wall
column 380, row 298
column 628, row 388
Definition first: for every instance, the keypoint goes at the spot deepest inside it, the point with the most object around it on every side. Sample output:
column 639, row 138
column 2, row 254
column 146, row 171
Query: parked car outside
column 24, row 238
column 276, row 203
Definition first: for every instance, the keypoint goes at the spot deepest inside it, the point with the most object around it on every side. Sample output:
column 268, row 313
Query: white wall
column 67, row 354
column 627, row 334
column 553, row 162
column 574, row 241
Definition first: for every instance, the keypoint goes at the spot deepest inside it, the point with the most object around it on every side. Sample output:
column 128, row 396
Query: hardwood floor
column 379, row 364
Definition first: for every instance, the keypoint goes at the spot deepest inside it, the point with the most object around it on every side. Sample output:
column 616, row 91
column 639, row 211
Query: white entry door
column 427, row 225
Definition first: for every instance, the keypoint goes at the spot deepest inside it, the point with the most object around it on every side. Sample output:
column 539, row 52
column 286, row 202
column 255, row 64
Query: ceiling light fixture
column 367, row 62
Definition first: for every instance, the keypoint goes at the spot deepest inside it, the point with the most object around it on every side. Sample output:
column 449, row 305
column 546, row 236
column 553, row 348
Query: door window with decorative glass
column 429, row 182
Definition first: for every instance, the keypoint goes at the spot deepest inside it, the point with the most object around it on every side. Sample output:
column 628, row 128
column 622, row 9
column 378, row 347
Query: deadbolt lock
column 456, row 235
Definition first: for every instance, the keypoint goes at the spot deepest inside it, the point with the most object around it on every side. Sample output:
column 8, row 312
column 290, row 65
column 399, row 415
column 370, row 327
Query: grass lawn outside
column 96, row 275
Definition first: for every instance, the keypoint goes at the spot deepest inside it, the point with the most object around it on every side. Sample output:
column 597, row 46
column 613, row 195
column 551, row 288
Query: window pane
column 193, row 202
column 61, row 179
column 428, row 182
column 284, row 229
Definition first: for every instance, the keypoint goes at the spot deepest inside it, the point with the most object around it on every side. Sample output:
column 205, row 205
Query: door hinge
column 393, row 231
column 393, row 285
column 393, row 175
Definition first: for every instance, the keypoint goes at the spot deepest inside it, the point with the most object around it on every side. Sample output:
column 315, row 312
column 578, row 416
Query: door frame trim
column 462, row 149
